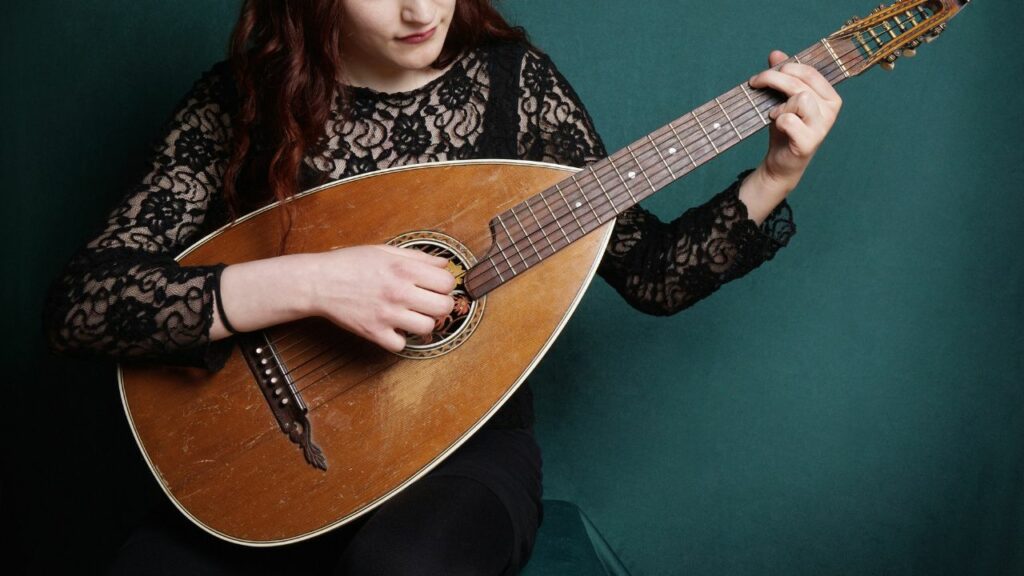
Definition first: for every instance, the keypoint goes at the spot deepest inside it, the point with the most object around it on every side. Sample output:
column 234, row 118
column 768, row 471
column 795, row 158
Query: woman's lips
column 417, row 38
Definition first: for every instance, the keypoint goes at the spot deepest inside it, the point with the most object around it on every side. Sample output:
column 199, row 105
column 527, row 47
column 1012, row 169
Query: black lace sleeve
column 658, row 268
column 662, row 268
column 122, row 294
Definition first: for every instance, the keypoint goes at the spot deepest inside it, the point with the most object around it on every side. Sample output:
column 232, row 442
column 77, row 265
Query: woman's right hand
column 379, row 292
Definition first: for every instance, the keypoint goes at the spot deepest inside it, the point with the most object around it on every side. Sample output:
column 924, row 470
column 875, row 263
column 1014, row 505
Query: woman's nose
column 418, row 11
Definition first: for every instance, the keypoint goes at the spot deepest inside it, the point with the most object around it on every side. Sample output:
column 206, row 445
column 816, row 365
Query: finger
column 814, row 79
column 391, row 340
column 434, row 279
column 415, row 323
column 776, row 80
column 417, row 255
column 776, row 57
column 802, row 138
column 804, row 105
column 430, row 303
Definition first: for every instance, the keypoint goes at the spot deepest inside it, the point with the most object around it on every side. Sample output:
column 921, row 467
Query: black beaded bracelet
column 220, row 303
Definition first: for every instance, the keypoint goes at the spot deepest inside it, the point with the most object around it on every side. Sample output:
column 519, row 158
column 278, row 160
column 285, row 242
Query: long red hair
column 286, row 59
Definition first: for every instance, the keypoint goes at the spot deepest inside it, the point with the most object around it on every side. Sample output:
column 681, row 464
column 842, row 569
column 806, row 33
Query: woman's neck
column 381, row 78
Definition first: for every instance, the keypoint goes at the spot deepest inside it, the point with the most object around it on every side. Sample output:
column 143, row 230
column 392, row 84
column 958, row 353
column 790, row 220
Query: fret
column 507, row 263
column 658, row 150
column 589, row 203
column 706, row 135
column 754, row 106
column 528, row 238
column 539, row 225
column 607, row 195
column 731, row 123
column 832, row 52
column 796, row 57
column 572, row 211
column 494, row 266
column 640, row 168
column 826, row 65
column 619, row 174
column 681, row 143
column 514, row 245
column 557, row 221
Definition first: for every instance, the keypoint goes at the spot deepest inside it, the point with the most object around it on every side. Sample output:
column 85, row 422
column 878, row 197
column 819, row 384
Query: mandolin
column 308, row 427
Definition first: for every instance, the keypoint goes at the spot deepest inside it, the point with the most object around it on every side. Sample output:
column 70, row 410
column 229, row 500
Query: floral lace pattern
column 440, row 121
column 662, row 268
column 123, row 294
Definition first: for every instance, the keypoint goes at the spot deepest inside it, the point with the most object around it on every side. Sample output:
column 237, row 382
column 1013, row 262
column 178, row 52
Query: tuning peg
column 890, row 63
column 934, row 32
column 911, row 50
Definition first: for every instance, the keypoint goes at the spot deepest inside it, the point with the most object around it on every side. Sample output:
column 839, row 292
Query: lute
column 308, row 427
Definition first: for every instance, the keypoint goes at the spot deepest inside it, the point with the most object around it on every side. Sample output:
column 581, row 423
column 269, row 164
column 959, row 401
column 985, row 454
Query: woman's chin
column 418, row 55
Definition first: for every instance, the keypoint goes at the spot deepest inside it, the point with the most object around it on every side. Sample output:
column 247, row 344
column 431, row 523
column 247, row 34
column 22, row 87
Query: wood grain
column 381, row 420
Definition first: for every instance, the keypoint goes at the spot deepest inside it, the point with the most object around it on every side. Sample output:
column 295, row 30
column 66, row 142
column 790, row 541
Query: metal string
column 687, row 137
column 325, row 366
column 705, row 152
column 757, row 97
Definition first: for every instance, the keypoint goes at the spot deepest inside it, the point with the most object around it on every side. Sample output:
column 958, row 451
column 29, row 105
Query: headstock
column 894, row 31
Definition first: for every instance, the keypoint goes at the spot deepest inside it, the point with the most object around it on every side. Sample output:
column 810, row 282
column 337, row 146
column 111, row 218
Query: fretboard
column 531, row 231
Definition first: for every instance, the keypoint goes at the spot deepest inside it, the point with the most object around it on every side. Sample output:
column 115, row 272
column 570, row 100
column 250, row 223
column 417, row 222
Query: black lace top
column 123, row 295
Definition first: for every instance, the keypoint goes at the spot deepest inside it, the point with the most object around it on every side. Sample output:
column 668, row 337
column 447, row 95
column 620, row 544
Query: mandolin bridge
column 279, row 391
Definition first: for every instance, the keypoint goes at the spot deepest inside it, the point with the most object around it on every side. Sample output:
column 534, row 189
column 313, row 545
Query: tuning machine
column 911, row 50
column 935, row 33
column 889, row 63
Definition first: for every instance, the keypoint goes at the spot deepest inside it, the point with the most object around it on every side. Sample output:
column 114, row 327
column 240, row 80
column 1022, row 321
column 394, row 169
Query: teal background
column 856, row 406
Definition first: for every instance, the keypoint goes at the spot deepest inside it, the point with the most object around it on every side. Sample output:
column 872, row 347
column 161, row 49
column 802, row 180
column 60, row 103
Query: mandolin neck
column 531, row 231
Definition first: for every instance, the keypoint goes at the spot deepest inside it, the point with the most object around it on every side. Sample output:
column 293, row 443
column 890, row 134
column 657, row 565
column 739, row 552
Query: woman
column 317, row 91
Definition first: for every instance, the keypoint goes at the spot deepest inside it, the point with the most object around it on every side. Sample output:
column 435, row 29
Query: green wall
column 856, row 406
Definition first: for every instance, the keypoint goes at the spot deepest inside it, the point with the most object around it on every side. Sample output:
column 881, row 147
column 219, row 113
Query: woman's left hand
column 799, row 126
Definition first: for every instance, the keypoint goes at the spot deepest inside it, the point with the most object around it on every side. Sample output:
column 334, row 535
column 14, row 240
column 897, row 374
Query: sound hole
column 453, row 329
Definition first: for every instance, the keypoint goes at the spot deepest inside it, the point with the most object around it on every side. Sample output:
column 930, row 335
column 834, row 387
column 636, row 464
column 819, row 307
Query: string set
column 696, row 146
column 694, row 133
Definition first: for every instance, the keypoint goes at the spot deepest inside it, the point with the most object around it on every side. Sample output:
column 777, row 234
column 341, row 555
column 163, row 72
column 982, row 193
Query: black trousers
column 476, row 514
